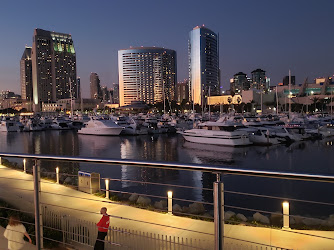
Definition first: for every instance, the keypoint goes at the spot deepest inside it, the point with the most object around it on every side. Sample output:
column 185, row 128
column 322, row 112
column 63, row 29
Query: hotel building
column 146, row 74
column 53, row 67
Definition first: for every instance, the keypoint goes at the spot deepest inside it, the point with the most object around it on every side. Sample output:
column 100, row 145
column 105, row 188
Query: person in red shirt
column 102, row 227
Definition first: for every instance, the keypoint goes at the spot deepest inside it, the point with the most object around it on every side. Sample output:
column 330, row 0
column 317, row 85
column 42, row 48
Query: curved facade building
column 146, row 74
column 203, row 64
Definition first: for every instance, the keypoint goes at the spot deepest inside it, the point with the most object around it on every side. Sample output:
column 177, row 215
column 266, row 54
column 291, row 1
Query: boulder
column 185, row 209
column 242, row 217
column 261, row 218
column 158, row 205
column 196, row 208
column 276, row 218
column 209, row 216
column 177, row 208
column 164, row 203
column 143, row 201
column 125, row 196
column 298, row 219
column 133, row 197
column 228, row 215
column 68, row 180
column 312, row 222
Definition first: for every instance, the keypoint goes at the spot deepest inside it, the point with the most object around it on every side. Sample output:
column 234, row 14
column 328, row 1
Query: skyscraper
column 53, row 66
column 286, row 80
column 95, row 87
column 203, row 64
column 26, row 75
column 239, row 82
column 146, row 74
column 259, row 80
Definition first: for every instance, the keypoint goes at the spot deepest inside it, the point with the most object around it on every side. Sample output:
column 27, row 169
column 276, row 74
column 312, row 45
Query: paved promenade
column 10, row 191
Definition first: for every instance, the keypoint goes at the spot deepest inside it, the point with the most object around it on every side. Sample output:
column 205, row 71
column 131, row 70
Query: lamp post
column 24, row 166
column 170, row 202
column 57, row 174
column 286, row 218
column 107, row 188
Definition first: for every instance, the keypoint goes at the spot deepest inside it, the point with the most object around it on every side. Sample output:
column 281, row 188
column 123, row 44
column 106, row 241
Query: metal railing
column 218, row 191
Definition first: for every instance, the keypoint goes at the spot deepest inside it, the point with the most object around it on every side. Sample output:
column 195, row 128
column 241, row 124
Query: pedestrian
column 15, row 232
column 102, row 227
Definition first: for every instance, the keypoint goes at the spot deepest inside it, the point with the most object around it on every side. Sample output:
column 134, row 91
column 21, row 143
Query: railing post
column 218, row 198
column 38, row 214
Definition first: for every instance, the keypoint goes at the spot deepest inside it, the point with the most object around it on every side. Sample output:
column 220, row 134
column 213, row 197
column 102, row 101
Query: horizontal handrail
column 180, row 166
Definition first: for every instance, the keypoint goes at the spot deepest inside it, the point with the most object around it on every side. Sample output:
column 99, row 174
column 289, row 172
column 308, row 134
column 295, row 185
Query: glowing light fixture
column 170, row 202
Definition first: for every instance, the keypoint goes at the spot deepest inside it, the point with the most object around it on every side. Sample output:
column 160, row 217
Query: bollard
column 107, row 188
column 24, row 166
column 286, row 218
column 57, row 174
column 0, row 160
column 170, row 202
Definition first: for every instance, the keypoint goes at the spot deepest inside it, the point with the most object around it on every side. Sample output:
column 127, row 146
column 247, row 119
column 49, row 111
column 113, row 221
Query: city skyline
column 295, row 36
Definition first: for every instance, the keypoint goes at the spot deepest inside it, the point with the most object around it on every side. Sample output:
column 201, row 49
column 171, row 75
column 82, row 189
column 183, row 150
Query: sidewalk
column 9, row 191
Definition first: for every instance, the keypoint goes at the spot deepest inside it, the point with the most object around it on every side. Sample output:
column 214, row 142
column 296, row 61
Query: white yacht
column 100, row 127
column 9, row 125
column 217, row 133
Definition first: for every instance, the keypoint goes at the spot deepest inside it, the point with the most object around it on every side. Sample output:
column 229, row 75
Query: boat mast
column 276, row 101
column 71, row 96
column 261, row 90
column 209, row 104
column 289, row 94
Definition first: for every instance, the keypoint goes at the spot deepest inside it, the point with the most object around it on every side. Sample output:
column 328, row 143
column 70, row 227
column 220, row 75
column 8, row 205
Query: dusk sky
column 275, row 35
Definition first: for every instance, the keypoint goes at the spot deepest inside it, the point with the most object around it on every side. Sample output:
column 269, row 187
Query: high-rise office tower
column 115, row 93
column 182, row 91
column 239, row 83
column 146, row 74
column 286, row 80
column 259, row 80
column 53, row 66
column 203, row 64
column 26, row 75
column 105, row 93
column 95, row 87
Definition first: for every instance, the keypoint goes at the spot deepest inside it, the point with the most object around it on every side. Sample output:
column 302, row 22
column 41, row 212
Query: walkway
column 10, row 191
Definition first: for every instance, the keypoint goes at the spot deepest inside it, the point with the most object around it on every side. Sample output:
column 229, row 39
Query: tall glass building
column 54, row 71
column 95, row 87
column 146, row 74
column 26, row 75
column 203, row 64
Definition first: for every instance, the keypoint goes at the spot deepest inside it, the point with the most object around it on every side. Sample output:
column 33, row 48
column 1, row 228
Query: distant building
column 115, row 93
column 182, row 91
column 105, row 93
column 203, row 64
column 95, row 87
column 53, row 67
column 286, row 80
column 78, row 88
column 239, row 83
column 320, row 80
column 259, row 81
column 146, row 74
column 26, row 75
